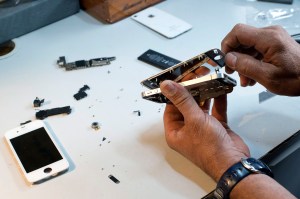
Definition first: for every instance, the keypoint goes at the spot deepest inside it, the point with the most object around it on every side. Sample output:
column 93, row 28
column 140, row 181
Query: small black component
column 84, row 63
column 38, row 102
column 84, row 88
column 28, row 121
column 61, row 61
column 157, row 59
column 114, row 179
column 138, row 112
column 42, row 114
column 81, row 93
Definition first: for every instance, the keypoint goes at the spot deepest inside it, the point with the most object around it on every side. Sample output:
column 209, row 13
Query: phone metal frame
column 203, row 88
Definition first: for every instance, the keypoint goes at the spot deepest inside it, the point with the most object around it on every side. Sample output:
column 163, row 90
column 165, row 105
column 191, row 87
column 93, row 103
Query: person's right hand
column 269, row 56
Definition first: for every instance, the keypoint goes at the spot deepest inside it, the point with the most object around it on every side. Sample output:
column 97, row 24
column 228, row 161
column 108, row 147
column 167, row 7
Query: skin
column 267, row 56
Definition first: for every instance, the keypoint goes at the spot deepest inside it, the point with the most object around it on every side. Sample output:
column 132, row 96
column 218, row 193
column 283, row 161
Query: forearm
column 259, row 186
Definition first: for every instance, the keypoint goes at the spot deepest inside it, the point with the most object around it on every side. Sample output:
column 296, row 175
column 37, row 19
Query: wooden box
column 111, row 11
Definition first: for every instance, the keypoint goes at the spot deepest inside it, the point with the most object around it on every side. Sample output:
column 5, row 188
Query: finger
column 240, row 35
column 172, row 113
column 219, row 109
column 180, row 97
column 228, row 70
column 244, row 81
column 252, row 82
column 249, row 67
column 172, row 118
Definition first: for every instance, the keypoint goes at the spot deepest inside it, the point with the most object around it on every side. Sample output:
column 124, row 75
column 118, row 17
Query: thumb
column 180, row 97
column 247, row 66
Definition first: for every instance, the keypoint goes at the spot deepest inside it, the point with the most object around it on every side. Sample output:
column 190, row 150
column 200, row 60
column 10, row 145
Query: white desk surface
column 135, row 150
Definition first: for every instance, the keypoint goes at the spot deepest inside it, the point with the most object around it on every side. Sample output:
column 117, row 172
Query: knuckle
column 238, row 27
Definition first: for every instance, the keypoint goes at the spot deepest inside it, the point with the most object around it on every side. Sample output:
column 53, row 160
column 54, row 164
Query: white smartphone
column 162, row 22
column 36, row 152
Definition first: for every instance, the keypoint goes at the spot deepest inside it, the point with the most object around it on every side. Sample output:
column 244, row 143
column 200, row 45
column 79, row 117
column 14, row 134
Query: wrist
column 236, row 173
column 223, row 164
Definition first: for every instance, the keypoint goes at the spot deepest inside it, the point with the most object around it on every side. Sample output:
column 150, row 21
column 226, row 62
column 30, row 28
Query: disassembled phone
column 36, row 152
column 203, row 88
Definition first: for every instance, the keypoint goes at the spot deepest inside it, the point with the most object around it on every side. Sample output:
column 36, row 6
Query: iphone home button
column 47, row 170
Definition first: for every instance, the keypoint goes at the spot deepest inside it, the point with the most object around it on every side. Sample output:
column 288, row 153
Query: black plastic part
column 81, row 93
column 84, row 88
column 114, row 179
column 80, row 63
column 217, row 56
column 23, row 123
column 42, row 114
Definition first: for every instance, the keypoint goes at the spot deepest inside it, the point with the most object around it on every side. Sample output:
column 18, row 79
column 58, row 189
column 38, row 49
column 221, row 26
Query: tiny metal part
column 84, row 63
column 61, row 61
column 114, row 179
column 138, row 112
column 42, row 114
column 38, row 102
column 95, row 125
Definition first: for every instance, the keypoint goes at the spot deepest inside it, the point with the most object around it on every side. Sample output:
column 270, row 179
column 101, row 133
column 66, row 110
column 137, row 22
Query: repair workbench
column 129, row 146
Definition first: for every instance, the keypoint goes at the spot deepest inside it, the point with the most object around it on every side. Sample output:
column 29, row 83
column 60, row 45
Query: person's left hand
column 204, row 139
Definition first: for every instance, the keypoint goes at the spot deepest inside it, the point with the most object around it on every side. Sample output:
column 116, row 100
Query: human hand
column 268, row 55
column 204, row 139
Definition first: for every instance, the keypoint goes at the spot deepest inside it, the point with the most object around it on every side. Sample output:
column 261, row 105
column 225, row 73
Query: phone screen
column 35, row 149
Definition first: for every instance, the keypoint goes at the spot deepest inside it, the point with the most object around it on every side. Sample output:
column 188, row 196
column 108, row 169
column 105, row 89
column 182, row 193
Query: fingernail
column 231, row 60
column 168, row 88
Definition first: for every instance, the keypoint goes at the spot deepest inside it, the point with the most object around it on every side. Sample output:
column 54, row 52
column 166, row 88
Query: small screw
column 95, row 125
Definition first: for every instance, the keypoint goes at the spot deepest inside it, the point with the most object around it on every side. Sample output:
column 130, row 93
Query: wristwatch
column 236, row 173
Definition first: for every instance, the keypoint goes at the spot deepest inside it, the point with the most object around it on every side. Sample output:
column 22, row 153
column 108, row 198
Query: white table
column 134, row 151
